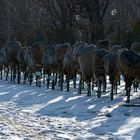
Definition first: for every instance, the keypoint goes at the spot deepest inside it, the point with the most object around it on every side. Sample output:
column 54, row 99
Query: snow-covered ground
column 37, row 113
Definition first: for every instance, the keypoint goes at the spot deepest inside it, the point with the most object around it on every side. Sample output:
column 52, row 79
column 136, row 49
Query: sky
column 37, row 113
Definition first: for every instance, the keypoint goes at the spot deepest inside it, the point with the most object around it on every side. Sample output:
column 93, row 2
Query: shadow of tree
column 103, row 116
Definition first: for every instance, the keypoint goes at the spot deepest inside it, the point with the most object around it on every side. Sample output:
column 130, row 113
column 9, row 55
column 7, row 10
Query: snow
column 37, row 113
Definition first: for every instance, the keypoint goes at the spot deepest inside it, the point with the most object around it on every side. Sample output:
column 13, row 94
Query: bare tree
column 95, row 11
column 66, row 20
column 62, row 16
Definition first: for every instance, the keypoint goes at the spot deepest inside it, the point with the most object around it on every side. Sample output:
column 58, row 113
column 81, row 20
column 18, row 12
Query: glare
column 113, row 12
column 127, row 127
column 3, row 93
